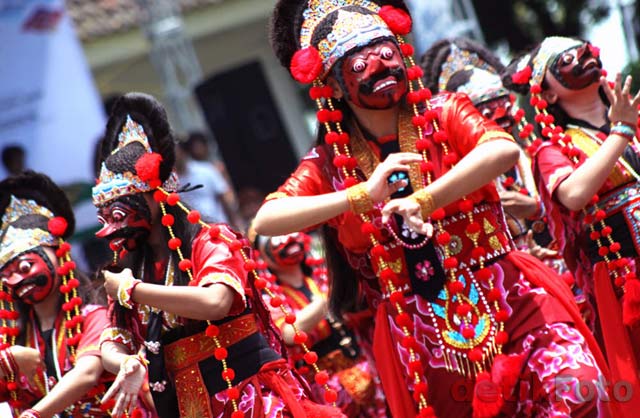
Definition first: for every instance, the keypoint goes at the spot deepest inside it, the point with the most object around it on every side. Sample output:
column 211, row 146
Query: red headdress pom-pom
column 306, row 65
column 57, row 226
column 397, row 19
column 148, row 169
column 523, row 76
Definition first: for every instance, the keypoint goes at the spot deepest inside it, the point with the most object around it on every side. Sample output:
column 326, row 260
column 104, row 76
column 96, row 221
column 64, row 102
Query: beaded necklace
column 346, row 165
column 600, row 233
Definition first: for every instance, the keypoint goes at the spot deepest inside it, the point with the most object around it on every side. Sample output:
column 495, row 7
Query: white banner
column 48, row 103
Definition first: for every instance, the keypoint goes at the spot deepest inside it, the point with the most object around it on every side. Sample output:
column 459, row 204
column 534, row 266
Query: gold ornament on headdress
column 112, row 185
column 15, row 241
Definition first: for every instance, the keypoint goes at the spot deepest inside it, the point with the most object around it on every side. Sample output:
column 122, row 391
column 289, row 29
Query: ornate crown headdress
column 26, row 226
column 15, row 241
column 112, row 185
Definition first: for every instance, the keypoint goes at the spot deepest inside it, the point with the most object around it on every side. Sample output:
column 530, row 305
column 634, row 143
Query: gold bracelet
column 425, row 200
column 359, row 199
column 125, row 290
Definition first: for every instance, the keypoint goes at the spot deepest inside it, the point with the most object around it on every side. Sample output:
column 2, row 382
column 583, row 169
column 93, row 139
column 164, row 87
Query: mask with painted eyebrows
column 373, row 77
column 126, row 222
column 30, row 276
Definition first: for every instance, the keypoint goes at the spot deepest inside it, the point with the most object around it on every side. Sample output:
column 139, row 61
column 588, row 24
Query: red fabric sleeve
column 307, row 180
column 553, row 167
column 215, row 263
column 466, row 127
column 95, row 321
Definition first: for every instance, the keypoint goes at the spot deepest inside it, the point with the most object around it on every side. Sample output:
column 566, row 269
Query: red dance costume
column 520, row 295
column 191, row 385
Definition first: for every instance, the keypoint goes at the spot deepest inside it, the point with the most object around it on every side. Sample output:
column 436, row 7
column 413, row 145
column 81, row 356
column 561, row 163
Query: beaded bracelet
column 359, row 199
column 30, row 413
column 125, row 290
column 623, row 130
column 425, row 200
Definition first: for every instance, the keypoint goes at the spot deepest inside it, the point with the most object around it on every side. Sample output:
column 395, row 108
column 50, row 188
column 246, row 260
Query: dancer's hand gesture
column 127, row 385
column 411, row 211
column 378, row 186
column 112, row 281
column 624, row 107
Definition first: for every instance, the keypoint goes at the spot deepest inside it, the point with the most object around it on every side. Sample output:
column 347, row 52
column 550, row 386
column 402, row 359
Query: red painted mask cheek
column 30, row 277
column 286, row 250
column 577, row 68
column 375, row 77
column 123, row 225
column 498, row 110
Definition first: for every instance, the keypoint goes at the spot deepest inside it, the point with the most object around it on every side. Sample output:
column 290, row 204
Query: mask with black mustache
column 126, row 222
column 366, row 88
column 573, row 69
column 30, row 276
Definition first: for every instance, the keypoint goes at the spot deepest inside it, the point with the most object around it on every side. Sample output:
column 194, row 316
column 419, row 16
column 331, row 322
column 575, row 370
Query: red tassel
column 487, row 399
column 505, row 371
column 397, row 19
column 631, row 302
column 306, row 65
column 148, row 167
column 523, row 76
column 57, row 226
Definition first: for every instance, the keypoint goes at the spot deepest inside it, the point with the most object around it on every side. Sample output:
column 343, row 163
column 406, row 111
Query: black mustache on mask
column 367, row 87
column 128, row 232
column 38, row 281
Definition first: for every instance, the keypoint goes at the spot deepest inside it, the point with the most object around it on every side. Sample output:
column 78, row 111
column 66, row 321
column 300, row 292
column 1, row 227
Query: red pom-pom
column 137, row 413
column 468, row 333
column 57, row 226
column 228, row 374
column 63, row 249
column 502, row 337
column 250, row 265
column 330, row 396
column 167, row 220
column 185, row 264
column 475, row 354
column 455, row 287
column 523, row 76
column 407, row 49
column 478, row 252
column 159, row 196
column 193, row 216
column 450, row 263
column 220, row 353
column 237, row 414
column 311, row 357
column 212, row 331
column 300, row 338
column 260, row 283
column 214, row 232
column 306, row 65
column 148, row 167
column 290, row 318
column 175, row 243
column 321, row 378
column 443, row 238
column 396, row 297
column 397, row 19
column 233, row 393
column 276, row 301
column 173, row 199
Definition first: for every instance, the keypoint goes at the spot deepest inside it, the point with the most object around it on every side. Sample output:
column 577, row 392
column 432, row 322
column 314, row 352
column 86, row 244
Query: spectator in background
column 215, row 199
column 13, row 159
